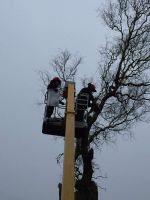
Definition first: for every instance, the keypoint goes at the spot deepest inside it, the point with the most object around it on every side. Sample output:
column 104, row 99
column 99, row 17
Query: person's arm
column 91, row 98
column 94, row 104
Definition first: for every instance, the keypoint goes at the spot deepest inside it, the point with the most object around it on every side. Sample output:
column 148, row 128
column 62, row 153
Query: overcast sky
column 31, row 33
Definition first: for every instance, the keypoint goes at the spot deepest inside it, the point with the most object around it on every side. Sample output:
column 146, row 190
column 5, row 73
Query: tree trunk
column 86, row 188
column 86, row 191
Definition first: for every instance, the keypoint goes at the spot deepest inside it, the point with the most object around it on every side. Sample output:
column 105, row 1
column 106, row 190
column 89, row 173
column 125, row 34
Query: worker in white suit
column 52, row 96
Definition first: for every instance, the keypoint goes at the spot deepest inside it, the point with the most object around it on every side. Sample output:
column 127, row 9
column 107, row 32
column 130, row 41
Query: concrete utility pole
column 68, row 170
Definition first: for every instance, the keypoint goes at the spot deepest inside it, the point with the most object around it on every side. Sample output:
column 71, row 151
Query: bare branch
column 66, row 65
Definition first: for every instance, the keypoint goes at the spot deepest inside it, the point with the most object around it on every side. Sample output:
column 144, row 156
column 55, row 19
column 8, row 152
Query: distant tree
column 123, row 96
column 64, row 64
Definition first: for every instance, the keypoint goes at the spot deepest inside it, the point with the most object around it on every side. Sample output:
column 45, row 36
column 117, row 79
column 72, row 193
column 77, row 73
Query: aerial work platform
column 56, row 127
column 69, row 128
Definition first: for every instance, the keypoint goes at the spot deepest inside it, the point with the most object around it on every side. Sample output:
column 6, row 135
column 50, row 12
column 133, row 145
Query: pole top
column 69, row 82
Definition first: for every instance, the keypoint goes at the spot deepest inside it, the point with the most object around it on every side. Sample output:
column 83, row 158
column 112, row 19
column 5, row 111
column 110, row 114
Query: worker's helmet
column 57, row 79
column 92, row 87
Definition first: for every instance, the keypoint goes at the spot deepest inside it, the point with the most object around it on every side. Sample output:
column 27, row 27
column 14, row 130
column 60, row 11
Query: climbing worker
column 84, row 100
column 52, row 96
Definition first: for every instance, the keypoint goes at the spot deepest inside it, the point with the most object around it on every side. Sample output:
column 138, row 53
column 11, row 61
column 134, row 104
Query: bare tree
column 124, row 95
column 124, row 73
column 66, row 65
